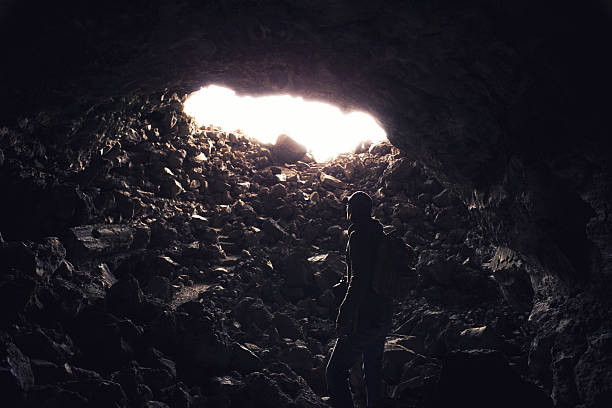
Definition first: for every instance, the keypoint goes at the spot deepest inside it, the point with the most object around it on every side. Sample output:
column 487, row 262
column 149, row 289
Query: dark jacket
column 361, row 307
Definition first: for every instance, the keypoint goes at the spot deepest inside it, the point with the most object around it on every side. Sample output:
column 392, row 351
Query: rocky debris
column 208, row 269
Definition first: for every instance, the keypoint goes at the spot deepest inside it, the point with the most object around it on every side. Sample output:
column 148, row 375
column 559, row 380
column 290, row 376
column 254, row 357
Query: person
column 364, row 318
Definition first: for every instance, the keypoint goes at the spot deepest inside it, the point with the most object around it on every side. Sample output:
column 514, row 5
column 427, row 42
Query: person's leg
column 372, row 369
column 345, row 353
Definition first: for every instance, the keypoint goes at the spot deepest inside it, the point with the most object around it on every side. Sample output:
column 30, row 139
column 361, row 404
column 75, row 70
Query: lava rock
column 287, row 326
column 273, row 229
column 243, row 359
column 331, row 182
column 100, row 239
column 287, row 150
column 16, row 375
column 514, row 282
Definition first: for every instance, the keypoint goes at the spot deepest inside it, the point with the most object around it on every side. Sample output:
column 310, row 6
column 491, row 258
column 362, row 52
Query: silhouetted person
column 364, row 317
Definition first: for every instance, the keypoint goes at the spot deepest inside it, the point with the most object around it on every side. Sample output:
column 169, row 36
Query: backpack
column 393, row 259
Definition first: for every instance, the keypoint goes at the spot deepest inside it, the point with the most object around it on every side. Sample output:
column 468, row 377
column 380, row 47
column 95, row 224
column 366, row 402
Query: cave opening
column 325, row 130
column 146, row 262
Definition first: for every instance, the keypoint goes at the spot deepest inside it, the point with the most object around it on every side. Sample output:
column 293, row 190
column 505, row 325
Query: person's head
column 358, row 206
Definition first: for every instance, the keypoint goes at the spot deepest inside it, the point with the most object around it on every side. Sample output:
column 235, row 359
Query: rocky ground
column 182, row 267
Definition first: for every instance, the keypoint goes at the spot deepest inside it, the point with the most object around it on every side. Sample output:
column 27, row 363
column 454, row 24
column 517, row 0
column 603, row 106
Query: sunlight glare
column 322, row 128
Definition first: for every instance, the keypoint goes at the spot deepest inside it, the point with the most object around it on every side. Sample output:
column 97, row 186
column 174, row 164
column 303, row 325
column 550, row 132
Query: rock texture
column 501, row 116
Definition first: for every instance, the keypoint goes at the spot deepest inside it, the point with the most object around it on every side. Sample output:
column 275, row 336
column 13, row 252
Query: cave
column 150, row 262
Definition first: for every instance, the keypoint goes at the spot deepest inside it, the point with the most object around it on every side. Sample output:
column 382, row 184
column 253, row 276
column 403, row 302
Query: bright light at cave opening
column 322, row 128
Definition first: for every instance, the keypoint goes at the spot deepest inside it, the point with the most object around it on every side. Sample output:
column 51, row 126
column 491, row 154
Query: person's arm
column 357, row 285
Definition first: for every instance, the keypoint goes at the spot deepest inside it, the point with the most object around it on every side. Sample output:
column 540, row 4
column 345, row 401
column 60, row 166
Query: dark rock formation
column 500, row 115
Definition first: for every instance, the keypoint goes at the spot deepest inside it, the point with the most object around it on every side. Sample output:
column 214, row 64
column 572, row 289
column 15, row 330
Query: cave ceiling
column 464, row 86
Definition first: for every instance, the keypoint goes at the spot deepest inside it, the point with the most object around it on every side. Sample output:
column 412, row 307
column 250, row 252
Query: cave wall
column 505, row 102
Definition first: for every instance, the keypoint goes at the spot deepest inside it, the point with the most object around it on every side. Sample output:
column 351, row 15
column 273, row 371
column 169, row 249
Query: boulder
column 394, row 358
column 287, row 150
column 297, row 270
column 159, row 287
column 125, row 297
column 298, row 357
column 278, row 190
column 100, row 239
column 252, row 311
column 514, row 282
column 331, row 182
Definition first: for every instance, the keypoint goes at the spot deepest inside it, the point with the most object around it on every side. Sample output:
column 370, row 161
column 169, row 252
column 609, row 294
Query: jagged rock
column 105, row 340
column 16, row 295
column 159, row 286
column 429, row 326
column 331, row 182
column 395, row 357
column 298, row 357
column 250, row 311
column 264, row 390
column 37, row 344
column 199, row 222
column 273, row 229
column 154, row 358
column 592, row 373
column 125, row 297
column 156, row 404
column 297, row 270
column 479, row 338
column 287, row 326
column 101, row 239
column 244, row 360
column 380, row 148
column 15, row 373
column 439, row 270
column 40, row 259
column 47, row 372
column 513, row 280
column 407, row 211
column 176, row 396
column 287, row 150
column 278, row 190
column 162, row 235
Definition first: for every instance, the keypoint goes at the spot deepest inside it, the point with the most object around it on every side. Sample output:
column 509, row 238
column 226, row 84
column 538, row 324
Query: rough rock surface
column 503, row 105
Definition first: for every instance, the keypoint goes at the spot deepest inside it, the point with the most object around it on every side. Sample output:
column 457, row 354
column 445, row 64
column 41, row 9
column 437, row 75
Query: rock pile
column 198, row 268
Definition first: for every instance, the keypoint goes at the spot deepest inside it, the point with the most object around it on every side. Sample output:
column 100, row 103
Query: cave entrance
column 324, row 129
